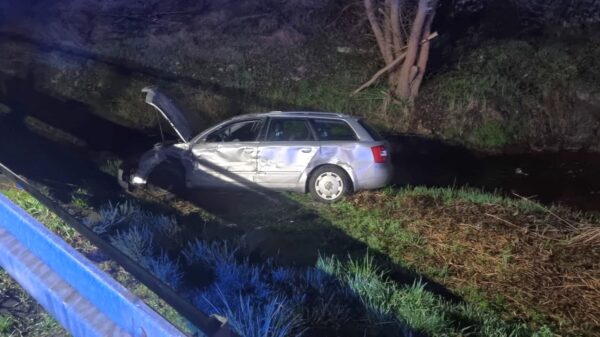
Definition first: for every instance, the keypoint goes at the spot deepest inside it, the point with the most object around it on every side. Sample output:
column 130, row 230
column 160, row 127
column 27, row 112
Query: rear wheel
column 329, row 184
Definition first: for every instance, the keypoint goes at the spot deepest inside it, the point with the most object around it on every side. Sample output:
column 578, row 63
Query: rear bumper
column 375, row 176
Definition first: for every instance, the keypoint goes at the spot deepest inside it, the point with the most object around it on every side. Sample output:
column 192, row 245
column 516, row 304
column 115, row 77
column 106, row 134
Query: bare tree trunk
column 396, row 15
column 404, row 52
column 407, row 72
column 423, row 54
column 377, row 31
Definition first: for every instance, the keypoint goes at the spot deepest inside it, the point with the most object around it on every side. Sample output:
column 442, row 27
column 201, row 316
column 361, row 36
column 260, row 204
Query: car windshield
column 243, row 131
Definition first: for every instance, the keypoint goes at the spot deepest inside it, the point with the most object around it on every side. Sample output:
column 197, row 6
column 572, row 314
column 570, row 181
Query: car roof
column 309, row 114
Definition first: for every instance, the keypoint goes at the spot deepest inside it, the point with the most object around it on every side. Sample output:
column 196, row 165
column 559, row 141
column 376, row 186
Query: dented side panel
column 223, row 163
column 281, row 164
column 273, row 164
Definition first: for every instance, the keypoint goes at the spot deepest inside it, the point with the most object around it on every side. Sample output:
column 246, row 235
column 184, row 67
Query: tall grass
column 241, row 292
column 367, row 283
column 110, row 166
column 274, row 318
column 412, row 307
column 6, row 323
column 132, row 230
column 111, row 216
column 268, row 300
column 474, row 195
column 32, row 206
column 164, row 268
column 135, row 242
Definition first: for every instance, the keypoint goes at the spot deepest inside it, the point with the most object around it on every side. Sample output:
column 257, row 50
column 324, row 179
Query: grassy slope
column 492, row 250
column 509, row 256
column 498, row 93
column 412, row 304
column 487, row 95
column 339, row 292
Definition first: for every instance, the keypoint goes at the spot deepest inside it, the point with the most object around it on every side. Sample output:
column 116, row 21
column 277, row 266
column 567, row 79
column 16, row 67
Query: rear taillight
column 379, row 154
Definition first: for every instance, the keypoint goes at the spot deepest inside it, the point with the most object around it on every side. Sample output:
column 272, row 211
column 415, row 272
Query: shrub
column 252, row 319
column 135, row 242
column 163, row 268
column 491, row 135
column 112, row 215
column 132, row 215
column 214, row 253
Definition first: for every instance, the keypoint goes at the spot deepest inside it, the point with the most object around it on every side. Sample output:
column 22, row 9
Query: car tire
column 123, row 176
column 121, row 180
column 169, row 176
column 329, row 184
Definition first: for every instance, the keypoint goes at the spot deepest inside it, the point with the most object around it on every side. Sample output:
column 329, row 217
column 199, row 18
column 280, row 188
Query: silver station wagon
column 325, row 154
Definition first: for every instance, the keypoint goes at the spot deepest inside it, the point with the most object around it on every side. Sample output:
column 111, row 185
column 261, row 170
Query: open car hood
column 183, row 123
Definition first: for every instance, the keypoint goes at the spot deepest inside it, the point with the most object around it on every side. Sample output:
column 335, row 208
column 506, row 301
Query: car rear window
column 331, row 129
column 370, row 130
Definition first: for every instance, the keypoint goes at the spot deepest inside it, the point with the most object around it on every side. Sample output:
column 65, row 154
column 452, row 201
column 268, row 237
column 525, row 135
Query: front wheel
column 169, row 176
column 329, row 184
column 123, row 176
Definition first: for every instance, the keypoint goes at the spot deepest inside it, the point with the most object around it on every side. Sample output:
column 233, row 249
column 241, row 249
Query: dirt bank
column 226, row 58
column 535, row 263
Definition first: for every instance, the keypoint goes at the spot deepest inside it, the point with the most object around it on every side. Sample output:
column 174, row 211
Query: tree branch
column 390, row 66
column 395, row 17
column 375, row 27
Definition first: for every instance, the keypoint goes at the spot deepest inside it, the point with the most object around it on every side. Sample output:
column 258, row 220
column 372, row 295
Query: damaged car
column 328, row 155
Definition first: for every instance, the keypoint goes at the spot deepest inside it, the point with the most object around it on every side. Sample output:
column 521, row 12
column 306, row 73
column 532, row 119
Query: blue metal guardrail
column 210, row 325
column 84, row 299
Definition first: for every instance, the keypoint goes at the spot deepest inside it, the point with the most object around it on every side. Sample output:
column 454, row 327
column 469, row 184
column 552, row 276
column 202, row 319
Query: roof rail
column 310, row 113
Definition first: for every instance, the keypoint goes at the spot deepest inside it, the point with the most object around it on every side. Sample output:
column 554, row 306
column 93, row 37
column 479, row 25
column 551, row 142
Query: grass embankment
column 353, row 296
column 337, row 295
column 518, row 266
column 505, row 255
column 27, row 318
column 497, row 93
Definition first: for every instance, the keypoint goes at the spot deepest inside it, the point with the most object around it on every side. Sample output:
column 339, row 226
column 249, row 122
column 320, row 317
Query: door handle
column 306, row 150
column 248, row 149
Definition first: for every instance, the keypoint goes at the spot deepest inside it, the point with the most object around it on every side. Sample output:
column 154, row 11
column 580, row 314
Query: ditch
column 285, row 240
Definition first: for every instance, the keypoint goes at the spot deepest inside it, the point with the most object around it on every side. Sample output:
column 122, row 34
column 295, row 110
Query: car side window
column 331, row 129
column 244, row 131
column 289, row 129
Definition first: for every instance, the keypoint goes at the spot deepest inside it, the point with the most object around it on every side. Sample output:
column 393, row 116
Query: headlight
column 138, row 180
